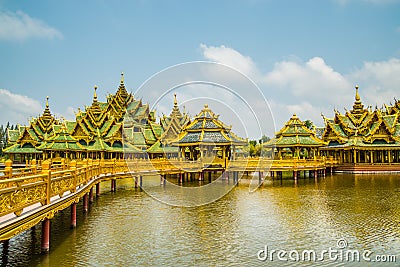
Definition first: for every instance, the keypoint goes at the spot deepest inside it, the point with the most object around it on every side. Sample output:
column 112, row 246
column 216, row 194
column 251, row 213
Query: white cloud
column 20, row 26
column 311, row 87
column 379, row 81
column 230, row 57
column 17, row 108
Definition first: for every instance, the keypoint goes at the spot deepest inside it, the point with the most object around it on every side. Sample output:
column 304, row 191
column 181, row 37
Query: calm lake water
column 130, row 228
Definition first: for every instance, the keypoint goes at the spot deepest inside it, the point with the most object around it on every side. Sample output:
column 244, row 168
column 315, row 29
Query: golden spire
column 95, row 108
column 95, row 94
column 122, row 77
column 175, row 101
column 357, row 95
column 358, row 107
column 46, row 112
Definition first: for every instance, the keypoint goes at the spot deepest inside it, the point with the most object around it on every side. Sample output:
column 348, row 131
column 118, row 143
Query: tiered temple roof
column 207, row 129
column 362, row 127
column 295, row 134
column 171, row 127
column 100, row 127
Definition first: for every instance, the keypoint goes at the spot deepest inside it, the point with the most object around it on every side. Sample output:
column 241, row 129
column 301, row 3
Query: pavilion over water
column 362, row 135
column 124, row 127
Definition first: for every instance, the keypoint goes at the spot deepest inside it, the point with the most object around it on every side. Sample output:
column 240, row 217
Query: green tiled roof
column 157, row 148
column 12, row 135
column 16, row 148
column 214, row 137
column 148, row 134
column 190, row 138
column 295, row 133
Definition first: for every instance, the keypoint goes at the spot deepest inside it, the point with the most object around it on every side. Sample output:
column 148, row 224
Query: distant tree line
column 255, row 146
column 3, row 135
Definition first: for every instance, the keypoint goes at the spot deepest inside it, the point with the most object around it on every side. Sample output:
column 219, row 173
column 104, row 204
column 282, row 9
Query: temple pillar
column 45, row 244
column 390, row 156
column 355, row 156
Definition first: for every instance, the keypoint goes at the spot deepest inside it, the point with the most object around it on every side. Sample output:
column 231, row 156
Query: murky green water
column 130, row 228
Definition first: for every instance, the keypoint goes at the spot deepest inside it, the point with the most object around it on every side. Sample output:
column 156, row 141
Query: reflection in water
column 130, row 228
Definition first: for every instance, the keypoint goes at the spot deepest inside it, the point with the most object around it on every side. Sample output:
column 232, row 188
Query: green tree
column 309, row 124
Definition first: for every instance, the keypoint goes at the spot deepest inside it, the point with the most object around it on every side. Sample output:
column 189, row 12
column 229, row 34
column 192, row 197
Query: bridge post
column 91, row 195
column 136, row 181
column 47, row 172
column 73, row 215
column 98, row 190
column 85, row 203
column 45, row 244
column 73, row 169
column 8, row 169
column 114, row 185
column 209, row 176
column 33, row 166
column 295, row 175
column 141, row 181
column 180, row 177
column 201, row 178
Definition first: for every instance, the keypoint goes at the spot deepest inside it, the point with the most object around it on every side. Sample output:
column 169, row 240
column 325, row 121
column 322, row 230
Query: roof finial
column 122, row 77
column 357, row 95
column 47, row 101
column 95, row 94
column 175, row 101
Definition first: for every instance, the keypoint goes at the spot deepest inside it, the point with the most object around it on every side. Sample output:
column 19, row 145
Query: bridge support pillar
column 136, row 181
column 295, row 175
column 324, row 172
column 201, row 176
column 209, row 176
column 180, row 177
column 98, row 190
column 140, row 181
column 91, row 195
column 113, row 185
column 315, row 174
column 45, row 244
column 73, row 215
column 85, row 203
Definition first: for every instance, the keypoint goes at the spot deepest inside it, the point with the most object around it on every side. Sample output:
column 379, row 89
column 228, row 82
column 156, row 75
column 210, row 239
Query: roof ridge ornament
column 357, row 94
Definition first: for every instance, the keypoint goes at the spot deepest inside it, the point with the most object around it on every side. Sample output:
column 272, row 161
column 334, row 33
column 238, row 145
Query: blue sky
column 305, row 56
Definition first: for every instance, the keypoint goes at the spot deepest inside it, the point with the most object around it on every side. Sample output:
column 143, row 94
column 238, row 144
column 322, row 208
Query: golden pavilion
column 295, row 140
column 122, row 127
column 363, row 136
column 208, row 138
